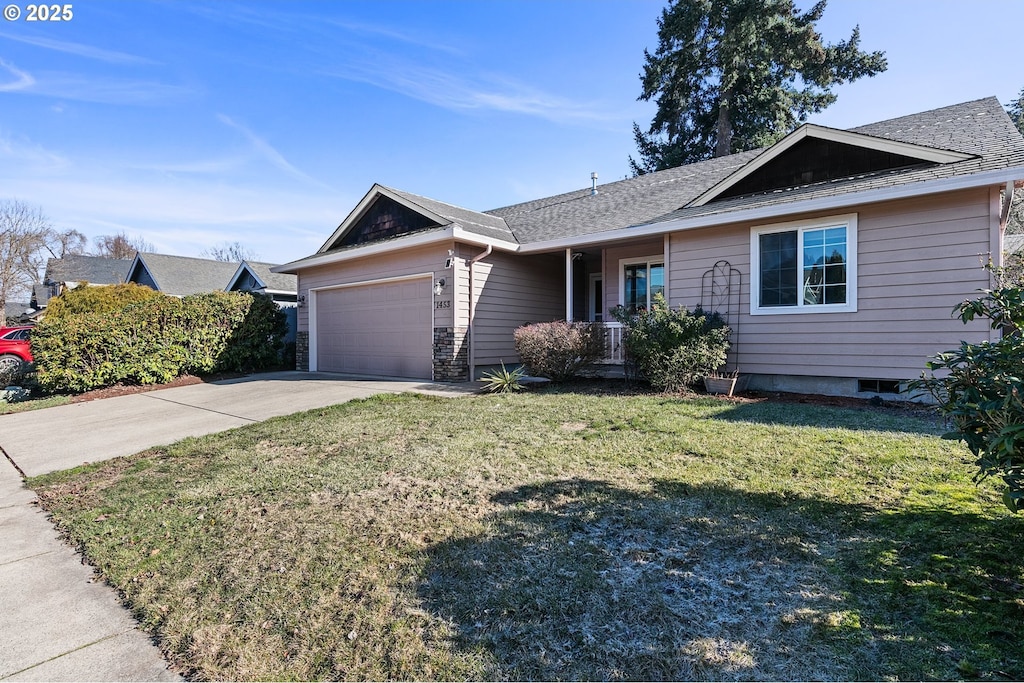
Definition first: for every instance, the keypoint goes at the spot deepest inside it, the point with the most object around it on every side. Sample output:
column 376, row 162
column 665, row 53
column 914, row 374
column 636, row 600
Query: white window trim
column 592, row 299
column 646, row 260
column 850, row 221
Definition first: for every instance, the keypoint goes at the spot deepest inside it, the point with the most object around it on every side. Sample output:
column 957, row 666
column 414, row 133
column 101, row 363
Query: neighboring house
column 184, row 275
column 16, row 313
column 847, row 248
column 73, row 271
column 253, row 276
column 180, row 275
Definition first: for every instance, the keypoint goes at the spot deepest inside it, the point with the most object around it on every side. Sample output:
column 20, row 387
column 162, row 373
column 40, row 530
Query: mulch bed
column 127, row 389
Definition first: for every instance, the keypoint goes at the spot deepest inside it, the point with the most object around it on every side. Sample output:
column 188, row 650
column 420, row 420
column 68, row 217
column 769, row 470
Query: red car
column 14, row 346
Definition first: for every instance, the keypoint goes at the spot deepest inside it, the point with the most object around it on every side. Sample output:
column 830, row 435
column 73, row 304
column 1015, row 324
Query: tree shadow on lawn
column 580, row 579
column 795, row 414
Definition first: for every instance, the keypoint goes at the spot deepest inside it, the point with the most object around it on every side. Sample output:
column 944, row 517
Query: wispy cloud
column 446, row 89
column 265, row 150
column 184, row 217
column 390, row 33
column 79, row 49
column 106, row 90
column 22, row 80
column 28, row 156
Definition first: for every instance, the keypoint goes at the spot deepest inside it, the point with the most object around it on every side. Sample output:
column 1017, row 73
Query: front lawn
column 560, row 536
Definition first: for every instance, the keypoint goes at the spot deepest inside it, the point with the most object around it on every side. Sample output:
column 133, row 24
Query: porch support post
column 568, row 284
column 668, row 253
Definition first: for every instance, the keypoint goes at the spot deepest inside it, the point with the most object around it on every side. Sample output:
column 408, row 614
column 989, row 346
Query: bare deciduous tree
column 67, row 243
column 25, row 238
column 231, row 252
column 120, row 245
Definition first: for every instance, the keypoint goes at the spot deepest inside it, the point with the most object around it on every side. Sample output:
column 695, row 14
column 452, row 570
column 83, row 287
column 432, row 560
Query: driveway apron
column 57, row 623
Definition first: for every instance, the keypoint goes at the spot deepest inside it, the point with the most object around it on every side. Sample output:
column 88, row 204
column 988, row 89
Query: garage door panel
column 381, row 329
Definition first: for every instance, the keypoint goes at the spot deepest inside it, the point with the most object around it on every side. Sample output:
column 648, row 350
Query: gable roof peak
column 897, row 149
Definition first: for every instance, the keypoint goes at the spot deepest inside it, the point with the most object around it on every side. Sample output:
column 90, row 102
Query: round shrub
column 559, row 350
column 674, row 349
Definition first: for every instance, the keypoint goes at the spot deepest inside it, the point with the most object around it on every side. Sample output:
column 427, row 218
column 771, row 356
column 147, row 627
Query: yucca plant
column 504, row 381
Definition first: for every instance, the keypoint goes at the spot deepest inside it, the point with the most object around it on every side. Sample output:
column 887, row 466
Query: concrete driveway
column 56, row 622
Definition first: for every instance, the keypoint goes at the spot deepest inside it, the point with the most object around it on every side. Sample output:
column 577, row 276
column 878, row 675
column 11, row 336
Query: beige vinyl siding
column 428, row 259
column 512, row 290
column 916, row 258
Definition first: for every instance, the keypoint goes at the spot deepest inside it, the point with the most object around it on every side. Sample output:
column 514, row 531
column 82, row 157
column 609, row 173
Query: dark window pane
column 835, row 275
column 778, row 262
column 835, row 294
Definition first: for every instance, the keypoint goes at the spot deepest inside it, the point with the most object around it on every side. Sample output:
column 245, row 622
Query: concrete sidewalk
column 56, row 622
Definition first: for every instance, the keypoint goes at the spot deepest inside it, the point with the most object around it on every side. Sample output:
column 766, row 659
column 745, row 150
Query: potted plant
column 721, row 382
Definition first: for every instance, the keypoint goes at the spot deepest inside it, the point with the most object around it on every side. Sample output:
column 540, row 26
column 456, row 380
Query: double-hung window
column 805, row 267
column 641, row 280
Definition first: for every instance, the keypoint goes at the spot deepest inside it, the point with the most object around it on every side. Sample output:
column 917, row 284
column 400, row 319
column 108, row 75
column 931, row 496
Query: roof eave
column 448, row 234
column 243, row 266
column 142, row 262
column 983, row 179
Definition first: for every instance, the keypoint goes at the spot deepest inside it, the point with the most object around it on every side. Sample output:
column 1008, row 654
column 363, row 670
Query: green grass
column 560, row 536
column 33, row 404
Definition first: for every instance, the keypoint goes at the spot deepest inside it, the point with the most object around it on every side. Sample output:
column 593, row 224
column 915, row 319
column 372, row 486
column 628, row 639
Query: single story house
column 841, row 254
column 185, row 275
column 255, row 276
column 180, row 275
column 75, row 270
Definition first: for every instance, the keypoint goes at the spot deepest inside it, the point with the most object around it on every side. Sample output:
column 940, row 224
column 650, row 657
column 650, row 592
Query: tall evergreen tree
column 733, row 75
column 1016, row 111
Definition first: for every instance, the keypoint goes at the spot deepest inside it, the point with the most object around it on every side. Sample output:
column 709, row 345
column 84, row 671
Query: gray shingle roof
column 96, row 270
column 184, row 275
column 980, row 127
column 278, row 282
column 619, row 204
column 485, row 224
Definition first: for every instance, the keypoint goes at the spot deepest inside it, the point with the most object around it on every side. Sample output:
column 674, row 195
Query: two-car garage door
column 376, row 329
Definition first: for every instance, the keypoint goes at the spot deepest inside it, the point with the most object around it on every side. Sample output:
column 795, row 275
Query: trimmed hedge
column 157, row 340
column 86, row 299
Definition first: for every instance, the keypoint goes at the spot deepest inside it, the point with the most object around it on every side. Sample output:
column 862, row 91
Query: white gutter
column 448, row 234
column 472, row 286
column 925, row 187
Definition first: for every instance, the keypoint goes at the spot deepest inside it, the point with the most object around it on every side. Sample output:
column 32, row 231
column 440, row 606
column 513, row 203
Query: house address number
column 443, row 304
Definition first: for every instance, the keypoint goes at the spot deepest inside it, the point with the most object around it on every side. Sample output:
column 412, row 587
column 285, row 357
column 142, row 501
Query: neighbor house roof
column 96, row 270
column 181, row 275
column 960, row 141
column 271, row 282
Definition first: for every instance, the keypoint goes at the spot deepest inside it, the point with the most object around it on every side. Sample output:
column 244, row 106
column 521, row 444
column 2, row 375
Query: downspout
column 568, row 284
column 1004, row 213
column 472, row 289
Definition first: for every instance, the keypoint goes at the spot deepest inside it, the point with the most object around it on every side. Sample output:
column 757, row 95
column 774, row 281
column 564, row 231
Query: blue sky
column 195, row 124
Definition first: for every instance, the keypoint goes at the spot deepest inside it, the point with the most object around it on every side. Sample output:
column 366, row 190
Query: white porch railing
column 614, row 353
